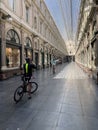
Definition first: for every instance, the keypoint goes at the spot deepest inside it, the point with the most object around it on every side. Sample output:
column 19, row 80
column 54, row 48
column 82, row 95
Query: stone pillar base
column 9, row 73
column 3, row 76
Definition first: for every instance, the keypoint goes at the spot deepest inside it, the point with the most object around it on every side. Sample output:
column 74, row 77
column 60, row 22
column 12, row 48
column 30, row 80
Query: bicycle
column 19, row 92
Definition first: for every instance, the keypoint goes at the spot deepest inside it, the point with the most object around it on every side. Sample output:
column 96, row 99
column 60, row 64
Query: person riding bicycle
column 28, row 66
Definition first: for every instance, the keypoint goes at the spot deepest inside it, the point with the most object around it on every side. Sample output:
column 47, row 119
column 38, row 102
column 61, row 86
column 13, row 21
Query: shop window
column 29, row 53
column 12, row 57
column 12, row 49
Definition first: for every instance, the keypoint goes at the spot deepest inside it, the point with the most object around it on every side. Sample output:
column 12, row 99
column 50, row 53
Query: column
column 39, row 54
column 33, row 46
column 96, row 45
column 22, row 50
column 3, row 46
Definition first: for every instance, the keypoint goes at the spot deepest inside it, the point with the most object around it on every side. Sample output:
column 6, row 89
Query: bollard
column 97, row 77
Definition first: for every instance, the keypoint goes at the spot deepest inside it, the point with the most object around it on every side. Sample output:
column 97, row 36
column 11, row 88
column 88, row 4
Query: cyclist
column 28, row 66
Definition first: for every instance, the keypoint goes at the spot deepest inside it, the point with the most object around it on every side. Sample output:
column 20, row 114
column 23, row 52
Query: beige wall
column 86, row 54
column 46, row 30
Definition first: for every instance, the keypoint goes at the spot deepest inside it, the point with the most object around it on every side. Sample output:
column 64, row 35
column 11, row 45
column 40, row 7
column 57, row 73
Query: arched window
column 28, row 42
column 12, row 36
column 13, row 49
column 28, row 48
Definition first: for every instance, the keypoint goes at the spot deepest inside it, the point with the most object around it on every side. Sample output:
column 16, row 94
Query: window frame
column 12, row 4
column 27, row 13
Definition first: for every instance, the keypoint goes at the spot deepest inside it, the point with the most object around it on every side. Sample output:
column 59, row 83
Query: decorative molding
column 28, row 3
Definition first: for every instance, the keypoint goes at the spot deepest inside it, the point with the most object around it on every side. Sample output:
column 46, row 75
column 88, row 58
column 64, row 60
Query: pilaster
column 3, row 46
column 22, row 42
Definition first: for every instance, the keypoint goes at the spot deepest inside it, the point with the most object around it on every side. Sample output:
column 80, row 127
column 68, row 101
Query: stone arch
column 28, row 42
column 28, row 48
column 12, row 36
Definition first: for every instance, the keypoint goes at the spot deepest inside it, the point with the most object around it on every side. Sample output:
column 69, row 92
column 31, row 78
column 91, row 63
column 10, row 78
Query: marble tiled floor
column 67, row 100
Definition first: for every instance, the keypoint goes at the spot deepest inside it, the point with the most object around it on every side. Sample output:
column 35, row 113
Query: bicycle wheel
column 18, row 94
column 34, row 87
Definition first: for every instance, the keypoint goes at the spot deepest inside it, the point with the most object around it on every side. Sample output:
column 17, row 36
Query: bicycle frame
column 18, row 94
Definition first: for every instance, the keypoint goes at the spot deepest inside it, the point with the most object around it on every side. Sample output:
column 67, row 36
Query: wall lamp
column 7, row 17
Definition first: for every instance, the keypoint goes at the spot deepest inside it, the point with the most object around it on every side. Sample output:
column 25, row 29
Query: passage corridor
column 67, row 100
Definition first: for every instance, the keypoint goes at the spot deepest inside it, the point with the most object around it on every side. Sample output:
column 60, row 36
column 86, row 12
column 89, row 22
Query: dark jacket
column 30, row 68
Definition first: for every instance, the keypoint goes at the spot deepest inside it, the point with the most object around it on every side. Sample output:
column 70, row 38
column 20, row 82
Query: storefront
column 12, row 58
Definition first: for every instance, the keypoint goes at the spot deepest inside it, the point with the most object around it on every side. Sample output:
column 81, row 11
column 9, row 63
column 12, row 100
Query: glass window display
column 29, row 53
column 12, row 57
